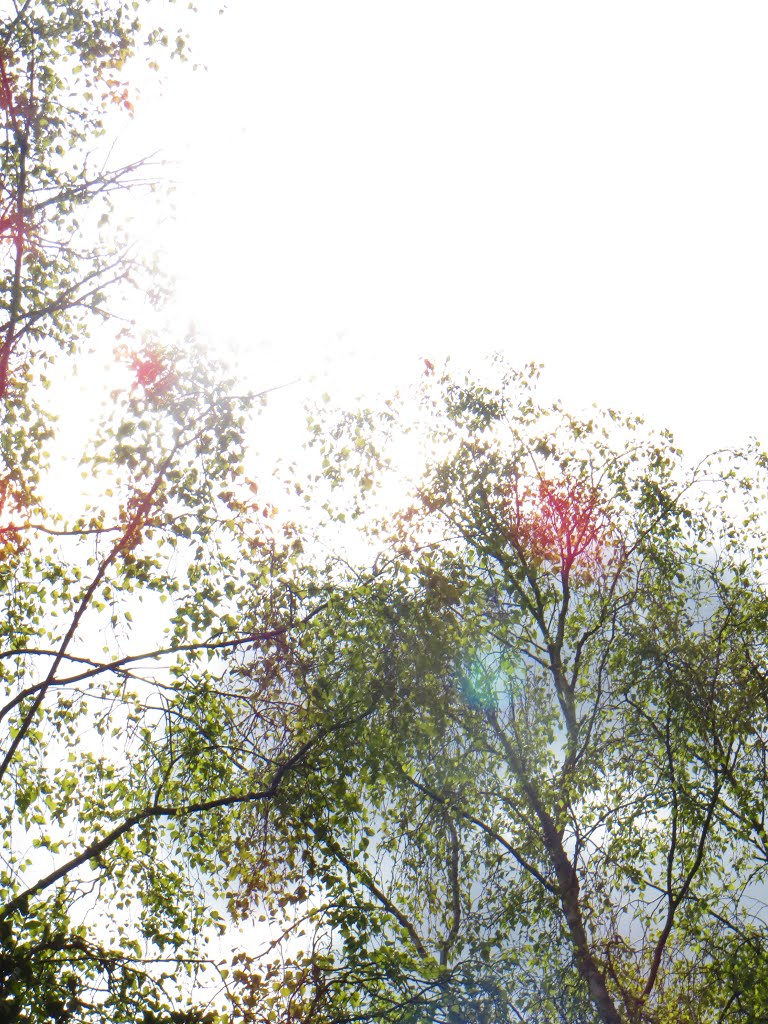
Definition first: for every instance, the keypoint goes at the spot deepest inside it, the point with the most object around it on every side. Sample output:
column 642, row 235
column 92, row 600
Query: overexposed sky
column 583, row 185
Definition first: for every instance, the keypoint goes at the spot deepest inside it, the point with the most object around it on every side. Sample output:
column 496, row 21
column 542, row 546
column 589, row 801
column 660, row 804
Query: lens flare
column 561, row 523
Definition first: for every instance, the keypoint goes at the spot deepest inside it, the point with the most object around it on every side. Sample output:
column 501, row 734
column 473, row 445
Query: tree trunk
column 569, row 901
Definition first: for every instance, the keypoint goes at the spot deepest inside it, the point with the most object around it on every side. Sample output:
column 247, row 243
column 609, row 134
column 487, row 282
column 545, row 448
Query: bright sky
column 584, row 185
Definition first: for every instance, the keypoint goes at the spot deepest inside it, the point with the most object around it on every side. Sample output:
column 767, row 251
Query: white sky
column 584, row 185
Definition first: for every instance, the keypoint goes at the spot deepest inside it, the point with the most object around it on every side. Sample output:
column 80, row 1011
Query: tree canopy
column 120, row 765
column 549, row 802
column 483, row 745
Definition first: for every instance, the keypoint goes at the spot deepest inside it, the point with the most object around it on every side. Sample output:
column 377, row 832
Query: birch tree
column 551, row 804
column 130, row 743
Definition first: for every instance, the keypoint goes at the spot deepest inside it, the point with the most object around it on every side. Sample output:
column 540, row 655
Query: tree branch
column 158, row 811
column 131, row 531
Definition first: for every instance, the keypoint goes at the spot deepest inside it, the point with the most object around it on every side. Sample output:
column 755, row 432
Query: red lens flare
column 152, row 371
column 12, row 227
column 10, row 535
column 562, row 523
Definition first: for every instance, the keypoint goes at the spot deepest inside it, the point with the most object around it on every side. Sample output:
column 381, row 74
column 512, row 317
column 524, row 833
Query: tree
column 128, row 751
column 549, row 804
